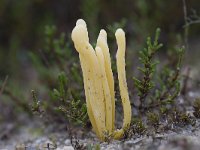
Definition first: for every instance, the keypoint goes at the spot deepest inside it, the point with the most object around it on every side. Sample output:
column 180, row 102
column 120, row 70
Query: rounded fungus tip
column 119, row 32
column 81, row 22
column 103, row 33
column 120, row 37
column 102, row 36
column 79, row 35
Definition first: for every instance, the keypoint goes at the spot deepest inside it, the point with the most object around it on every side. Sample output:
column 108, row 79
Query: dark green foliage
column 196, row 107
column 157, row 89
column 66, row 101
column 54, row 53
column 181, row 118
column 73, row 108
column 168, row 87
column 137, row 128
column 36, row 106
column 153, row 119
column 146, row 58
column 60, row 93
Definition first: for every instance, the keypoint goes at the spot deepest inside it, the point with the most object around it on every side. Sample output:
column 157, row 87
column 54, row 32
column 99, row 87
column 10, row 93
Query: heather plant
column 157, row 88
column 65, row 98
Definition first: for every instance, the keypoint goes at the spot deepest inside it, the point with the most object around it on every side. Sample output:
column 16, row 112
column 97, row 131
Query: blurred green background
column 22, row 23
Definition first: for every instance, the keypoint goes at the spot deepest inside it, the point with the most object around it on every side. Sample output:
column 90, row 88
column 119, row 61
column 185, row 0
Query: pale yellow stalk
column 95, row 93
column 102, row 43
column 86, row 73
column 121, row 42
column 106, row 90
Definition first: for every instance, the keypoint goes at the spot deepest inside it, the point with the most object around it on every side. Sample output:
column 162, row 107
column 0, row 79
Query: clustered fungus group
column 99, row 82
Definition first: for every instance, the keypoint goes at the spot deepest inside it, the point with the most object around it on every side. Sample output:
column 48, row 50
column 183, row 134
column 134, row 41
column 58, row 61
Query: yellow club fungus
column 99, row 82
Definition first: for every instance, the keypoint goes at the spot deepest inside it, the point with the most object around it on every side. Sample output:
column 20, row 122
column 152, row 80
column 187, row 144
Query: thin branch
column 186, row 29
column 17, row 100
column 185, row 81
column 3, row 85
column 44, row 58
column 191, row 23
column 185, row 11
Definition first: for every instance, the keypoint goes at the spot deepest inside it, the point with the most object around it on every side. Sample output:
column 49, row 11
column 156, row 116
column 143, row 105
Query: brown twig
column 186, row 29
column 191, row 23
column 3, row 85
column 17, row 100
column 44, row 58
column 185, row 81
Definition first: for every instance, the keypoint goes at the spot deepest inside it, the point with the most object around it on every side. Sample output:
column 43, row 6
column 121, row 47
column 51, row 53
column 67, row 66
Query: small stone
column 67, row 142
column 20, row 147
column 48, row 145
column 66, row 148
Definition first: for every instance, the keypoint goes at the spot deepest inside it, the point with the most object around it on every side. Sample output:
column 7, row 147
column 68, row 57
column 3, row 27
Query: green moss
column 181, row 118
column 153, row 119
column 137, row 126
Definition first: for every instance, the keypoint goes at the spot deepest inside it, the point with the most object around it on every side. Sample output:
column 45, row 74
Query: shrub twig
column 3, row 85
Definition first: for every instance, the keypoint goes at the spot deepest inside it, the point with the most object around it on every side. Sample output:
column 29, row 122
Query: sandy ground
column 186, row 138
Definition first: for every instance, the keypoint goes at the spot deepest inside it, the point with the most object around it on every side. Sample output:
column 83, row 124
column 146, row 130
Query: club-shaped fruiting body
column 99, row 82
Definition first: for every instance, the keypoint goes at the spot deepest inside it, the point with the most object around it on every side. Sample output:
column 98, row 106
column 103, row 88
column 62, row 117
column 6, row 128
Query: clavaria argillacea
column 99, row 82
